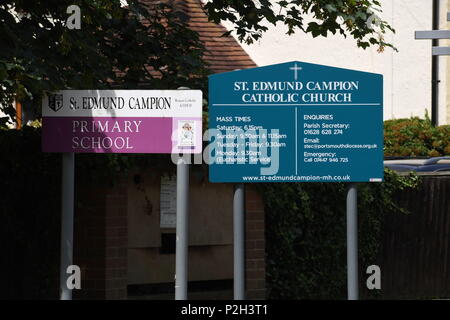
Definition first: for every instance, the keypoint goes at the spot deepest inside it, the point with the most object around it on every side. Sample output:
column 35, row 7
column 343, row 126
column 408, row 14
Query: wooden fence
column 416, row 246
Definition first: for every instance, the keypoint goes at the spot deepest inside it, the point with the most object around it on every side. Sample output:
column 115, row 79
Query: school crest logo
column 55, row 102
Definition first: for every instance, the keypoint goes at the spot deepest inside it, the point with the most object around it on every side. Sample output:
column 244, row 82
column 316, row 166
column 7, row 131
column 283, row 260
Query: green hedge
column 415, row 137
column 306, row 235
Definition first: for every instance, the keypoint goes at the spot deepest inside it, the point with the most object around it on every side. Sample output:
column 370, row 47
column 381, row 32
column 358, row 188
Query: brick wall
column 100, row 240
column 254, row 245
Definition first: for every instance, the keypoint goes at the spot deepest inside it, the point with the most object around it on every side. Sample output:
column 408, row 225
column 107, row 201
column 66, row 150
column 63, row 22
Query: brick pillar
column 254, row 245
column 100, row 239
column 116, row 242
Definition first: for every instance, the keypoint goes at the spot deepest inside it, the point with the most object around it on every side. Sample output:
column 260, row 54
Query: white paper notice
column 168, row 202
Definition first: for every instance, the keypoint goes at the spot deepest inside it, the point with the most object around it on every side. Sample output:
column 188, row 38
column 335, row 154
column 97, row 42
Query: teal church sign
column 296, row 122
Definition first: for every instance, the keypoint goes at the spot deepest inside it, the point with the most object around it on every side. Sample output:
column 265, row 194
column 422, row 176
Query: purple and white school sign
column 122, row 121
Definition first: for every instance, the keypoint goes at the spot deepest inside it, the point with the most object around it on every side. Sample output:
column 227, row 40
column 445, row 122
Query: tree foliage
column 116, row 46
column 356, row 18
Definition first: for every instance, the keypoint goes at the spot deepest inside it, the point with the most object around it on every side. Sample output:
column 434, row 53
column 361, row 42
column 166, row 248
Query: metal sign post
column 238, row 242
column 181, row 255
column 68, row 186
column 352, row 243
column 182, row 229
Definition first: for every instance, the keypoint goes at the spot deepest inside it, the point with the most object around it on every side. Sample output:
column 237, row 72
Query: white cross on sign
column 295, row 69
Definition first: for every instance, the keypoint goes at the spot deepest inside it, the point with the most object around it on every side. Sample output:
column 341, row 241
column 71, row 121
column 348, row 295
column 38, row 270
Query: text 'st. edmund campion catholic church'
column 125, row 246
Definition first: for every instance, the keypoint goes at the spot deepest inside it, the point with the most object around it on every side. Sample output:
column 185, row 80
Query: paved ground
column 205, row 295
